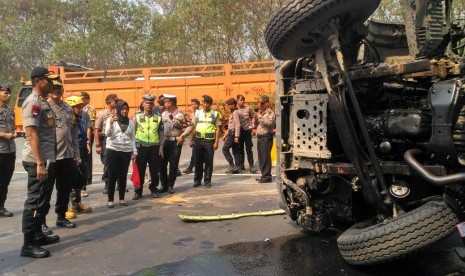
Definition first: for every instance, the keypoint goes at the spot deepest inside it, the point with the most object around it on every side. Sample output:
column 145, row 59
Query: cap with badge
column 111, row 97
column 4, row 87
column 170, row 97
column 57, row 83
column 263, row 99
column 57, row 87
column 42, row 72
column 148, row 98
column 207, row 99
column 231, row 101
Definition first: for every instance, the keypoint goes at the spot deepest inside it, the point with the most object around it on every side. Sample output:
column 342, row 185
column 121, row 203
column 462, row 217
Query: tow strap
column 232, row 216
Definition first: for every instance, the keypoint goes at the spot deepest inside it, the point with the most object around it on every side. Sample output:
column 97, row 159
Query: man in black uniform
column 39, row 162
column 207, row 124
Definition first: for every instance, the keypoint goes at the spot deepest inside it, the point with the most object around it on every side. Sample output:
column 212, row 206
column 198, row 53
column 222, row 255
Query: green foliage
column 105, row 34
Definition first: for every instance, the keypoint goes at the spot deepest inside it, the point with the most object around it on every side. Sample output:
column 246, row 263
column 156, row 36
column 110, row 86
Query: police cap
column 42, row 72
column 57, row 83
column 148, row 97
column 169, row 97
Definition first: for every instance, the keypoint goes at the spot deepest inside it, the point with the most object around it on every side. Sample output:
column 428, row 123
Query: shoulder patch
column 35, row 110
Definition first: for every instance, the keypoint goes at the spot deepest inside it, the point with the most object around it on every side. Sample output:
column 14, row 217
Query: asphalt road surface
column 148, row 238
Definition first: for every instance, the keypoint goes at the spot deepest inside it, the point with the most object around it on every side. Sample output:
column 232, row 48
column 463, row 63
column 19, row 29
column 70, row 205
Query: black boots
column 33, row 250
column 64, row 223
column 5, row 213
column 31, row 247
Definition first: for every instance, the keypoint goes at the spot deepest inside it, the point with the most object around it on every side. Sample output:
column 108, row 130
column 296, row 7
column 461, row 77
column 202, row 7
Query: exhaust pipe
column 409, row 157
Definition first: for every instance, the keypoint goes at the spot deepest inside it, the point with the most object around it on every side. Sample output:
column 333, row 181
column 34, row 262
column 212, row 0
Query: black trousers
column 227, row 146
column 7, row 164
column 64, row 168
column 171, row 155
column 37, row 202
column 103, row 158
column 118, row 166
column 204, row 154
column 80, row 176
column 89, row 162
column 245, row 139
column 192, row 162
column 264, row 145
column 151, row 156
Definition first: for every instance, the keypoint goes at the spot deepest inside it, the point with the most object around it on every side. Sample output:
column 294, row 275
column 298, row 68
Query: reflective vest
column 206, row 124
column 147, row 129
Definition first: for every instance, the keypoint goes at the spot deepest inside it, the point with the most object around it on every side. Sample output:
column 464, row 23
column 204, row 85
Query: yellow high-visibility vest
column 147, row 129
column 206, row 124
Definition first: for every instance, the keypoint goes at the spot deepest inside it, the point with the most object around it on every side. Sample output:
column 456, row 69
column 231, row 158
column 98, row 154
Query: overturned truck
column 371, row 132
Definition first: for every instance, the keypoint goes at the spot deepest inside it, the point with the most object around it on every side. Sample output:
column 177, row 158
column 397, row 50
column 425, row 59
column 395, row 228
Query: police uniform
column 266, row 121
column 7, row 155
column 36, row 112
column 245, row 137
column 173, row 123
column 206, row 125
column 149, row 136
column 234, row 127
column 67, row 152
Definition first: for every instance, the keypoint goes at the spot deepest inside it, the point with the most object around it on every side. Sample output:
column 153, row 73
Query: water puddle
column 302, row 254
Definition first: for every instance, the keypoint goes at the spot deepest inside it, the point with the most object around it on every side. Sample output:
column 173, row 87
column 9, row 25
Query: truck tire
column 365, row 244
column 289, row 33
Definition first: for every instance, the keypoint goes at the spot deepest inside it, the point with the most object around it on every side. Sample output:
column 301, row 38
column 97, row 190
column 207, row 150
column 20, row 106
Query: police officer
column 67, row 155
column 207, row 124
column 149, row 136
column 7, row 147
column 245, row 137
column 99, row 133
column 231, row 139
column 90, row 110
column 39, row 162
column 173, row 122
column 265, row 121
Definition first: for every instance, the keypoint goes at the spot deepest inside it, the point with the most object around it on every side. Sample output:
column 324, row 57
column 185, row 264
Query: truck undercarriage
column 371, row 132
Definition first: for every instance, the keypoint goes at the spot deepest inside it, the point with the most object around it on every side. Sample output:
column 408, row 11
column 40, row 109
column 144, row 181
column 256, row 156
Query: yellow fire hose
column 232, row 216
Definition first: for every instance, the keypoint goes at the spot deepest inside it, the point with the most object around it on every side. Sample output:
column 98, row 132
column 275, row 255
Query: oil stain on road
column 303, row 254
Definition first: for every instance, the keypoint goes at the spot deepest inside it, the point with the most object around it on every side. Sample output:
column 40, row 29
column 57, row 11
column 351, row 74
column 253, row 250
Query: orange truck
column 220, row 81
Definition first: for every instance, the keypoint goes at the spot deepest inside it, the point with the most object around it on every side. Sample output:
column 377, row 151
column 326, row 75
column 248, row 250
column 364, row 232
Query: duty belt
column 171, row 138
column 264, row 135
column 207, row 135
